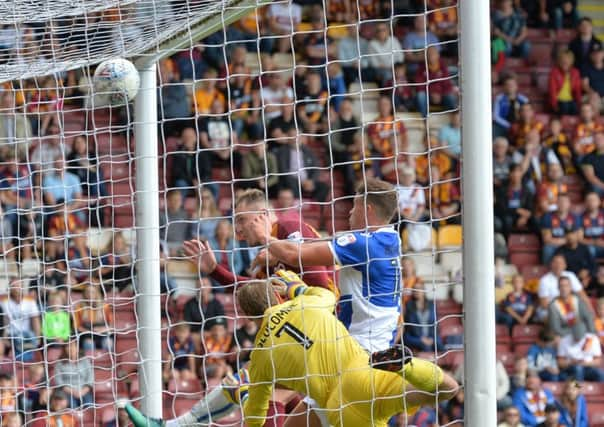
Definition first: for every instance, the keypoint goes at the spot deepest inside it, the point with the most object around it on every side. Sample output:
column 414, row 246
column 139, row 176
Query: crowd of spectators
column 279, row 130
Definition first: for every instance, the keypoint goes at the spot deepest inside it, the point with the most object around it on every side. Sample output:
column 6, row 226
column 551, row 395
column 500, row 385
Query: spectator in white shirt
column 22, row 316
column 384, row 50
column 15, row 128
column 283, row 19
column 549, row 289
column 411, row 197
column 275, row 95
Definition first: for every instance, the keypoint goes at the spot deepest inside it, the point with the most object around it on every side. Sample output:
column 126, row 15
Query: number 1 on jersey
column 296, row 334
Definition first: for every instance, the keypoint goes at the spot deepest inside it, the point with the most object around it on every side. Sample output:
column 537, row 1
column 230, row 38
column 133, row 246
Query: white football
column 116, row 80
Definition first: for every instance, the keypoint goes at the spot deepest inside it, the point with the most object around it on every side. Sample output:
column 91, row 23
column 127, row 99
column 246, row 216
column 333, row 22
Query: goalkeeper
column 300, row 345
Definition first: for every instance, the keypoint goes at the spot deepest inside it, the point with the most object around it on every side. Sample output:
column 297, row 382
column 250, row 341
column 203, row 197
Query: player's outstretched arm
column 202, row 256
column 298, row 254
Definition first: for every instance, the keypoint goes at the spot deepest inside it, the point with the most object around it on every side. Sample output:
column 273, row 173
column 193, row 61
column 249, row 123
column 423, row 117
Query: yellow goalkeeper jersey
column 302, row 346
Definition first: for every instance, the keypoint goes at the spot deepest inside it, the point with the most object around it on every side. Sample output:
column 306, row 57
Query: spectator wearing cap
column 593, row 77
column 584, row 42
column 552, row 416
column 548, row 284
column 564, row 85
column 593, row 165
column 532, row 399
column 593, row 225
column 58, row 415
column 541, row 357
column 554, row 226
column 572, row 406
column 571, row 322
column 578, row 256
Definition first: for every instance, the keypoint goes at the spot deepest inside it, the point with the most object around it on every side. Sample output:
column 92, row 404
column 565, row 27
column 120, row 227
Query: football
column 116, row 81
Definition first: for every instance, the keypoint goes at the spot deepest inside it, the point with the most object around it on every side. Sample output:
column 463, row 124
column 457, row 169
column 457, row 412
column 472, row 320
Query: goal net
column 301, row 100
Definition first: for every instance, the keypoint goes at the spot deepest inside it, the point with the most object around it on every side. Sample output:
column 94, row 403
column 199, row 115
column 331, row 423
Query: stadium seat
column 522, row 259
column 184, row 386
column 593, row 392
column 502, row 333
column 507, row 359
column 555, row 387
column 451, row 261
column 523, row 243
column 449, row 326
column 533, row 271
column 503, row 347
column 447, row 307
column 429, row 245
column 521, row 349
column 525, row 333
column 449, row 236
column 596, row 414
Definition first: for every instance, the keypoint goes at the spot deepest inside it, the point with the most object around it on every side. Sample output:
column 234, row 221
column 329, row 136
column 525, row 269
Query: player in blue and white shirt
column 369, row 282
column 370, row 275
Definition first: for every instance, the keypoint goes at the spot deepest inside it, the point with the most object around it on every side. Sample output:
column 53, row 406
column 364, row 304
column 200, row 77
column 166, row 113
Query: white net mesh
column 302, row 101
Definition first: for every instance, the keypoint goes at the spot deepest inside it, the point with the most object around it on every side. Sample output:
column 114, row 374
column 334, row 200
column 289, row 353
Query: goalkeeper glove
column 235, row 386
column 288, row 283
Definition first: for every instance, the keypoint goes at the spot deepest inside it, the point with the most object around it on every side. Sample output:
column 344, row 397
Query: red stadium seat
column 596, row 414
column 184, row 386
column 521, row 349
column 450, row 328
column 502, row 332
column 593, row 392
column 522, row 259
column 555, row 387
column 523, row 243
column 447, row 307
column 508, row 359
column 503, row 347
column 525, row 333
column 533, row 271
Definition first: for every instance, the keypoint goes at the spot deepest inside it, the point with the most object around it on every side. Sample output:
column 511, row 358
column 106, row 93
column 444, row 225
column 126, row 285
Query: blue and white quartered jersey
column 369, row 285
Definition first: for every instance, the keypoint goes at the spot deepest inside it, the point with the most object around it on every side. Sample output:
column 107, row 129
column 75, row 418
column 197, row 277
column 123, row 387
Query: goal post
column 143, row 34
column 478, row 232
